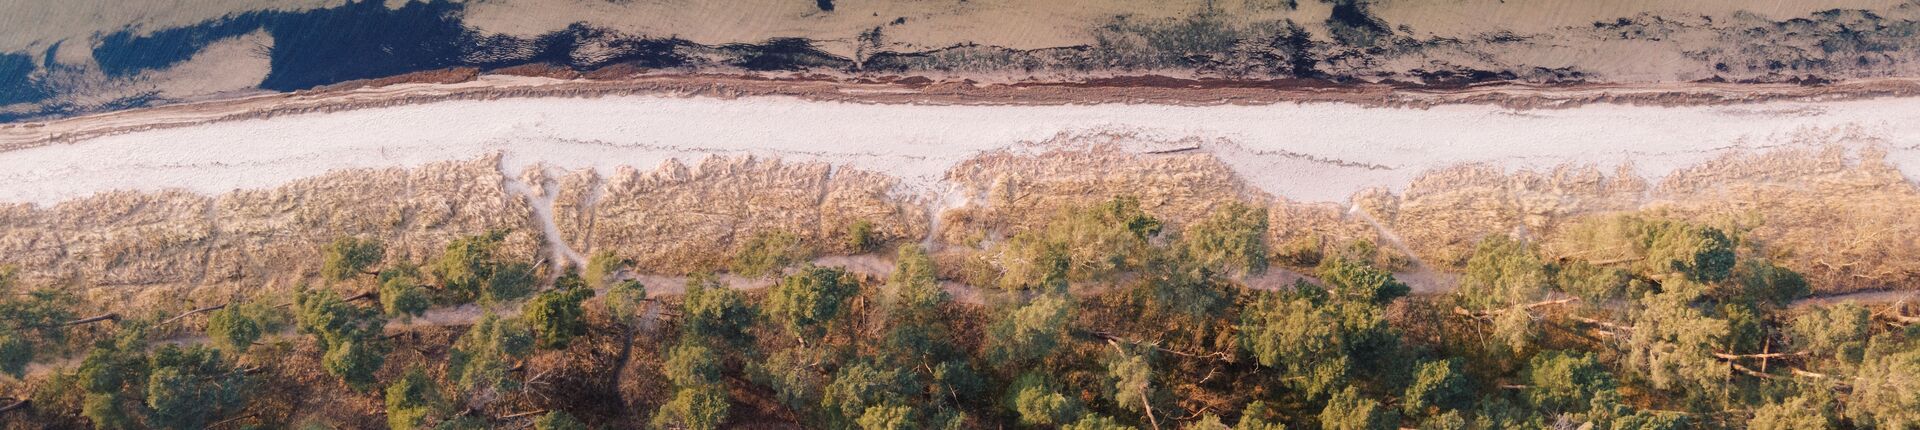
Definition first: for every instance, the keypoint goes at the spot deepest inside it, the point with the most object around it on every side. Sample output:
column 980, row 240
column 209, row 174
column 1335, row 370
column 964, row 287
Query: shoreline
column 468, row 85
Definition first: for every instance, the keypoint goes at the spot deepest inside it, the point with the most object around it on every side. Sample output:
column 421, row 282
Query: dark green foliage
column 1702, row 254
column 172, row 388
column 556, row 316
column 1438, row 386
column 1089, row 243
column 601, row 268
column 766, row 253
column 1595, row 284
column 808, row 302
column 351, row 336
column 715, row 314
column 699, row 400
column 348, row 257
column 1358, row 280
column 401, row 293
column 700, row 408
column 1800, row 412
column 1503, row 272
column 558, row 420
column 1883, row 393
column 1031, row 332
column 1837, row 334
column 480, row 362
column 470, row 271
column 411, row 400
column 856, row 388
column 1563, row 381
column 1348, row 410
column 509, row 282
column 861, row 237
column 1672, row 345
column 625, row 301
column 1096, row 422
column 29, row 321
column 237, row 326
column 1037, row 402
column 190, row 387
column 1316, row 342
column 1762, row 281
column 1232, row 240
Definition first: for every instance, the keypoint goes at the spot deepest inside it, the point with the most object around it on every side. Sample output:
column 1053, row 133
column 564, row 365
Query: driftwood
column 1529, row 306
column 193, row 312
column 88, row 320
column 20, row 404
column 521, row 414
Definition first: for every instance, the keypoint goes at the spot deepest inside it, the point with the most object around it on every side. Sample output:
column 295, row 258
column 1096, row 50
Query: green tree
column 350, row 256
column 1231, row 240
column 1762, row 281
column 556, row 316
column 1316, row 342
column 1348, row 410
column 510, row 281
column 1502, row 272
column 858, row 387
column 808, row 302
column 1131, row 377
column 699, row 400
column 1358, row 280
column 401, row 293
column 350, row 336
column 558, row 420
column 1258, row 416
column 1798, row 412
column 861, row 237
column 1089, row 243
column 766, row 253
column 174, row 387
column 1593, row 283
column 235, row 327
column 30, row 321
column 1703, row 254
column 626, row 301
column 1031, row 332
column 1566, row 381
column 1673, row 344
column 1884, row 390
column 470, row 270
column 887, row 417
column 1438, row 386
column 187, row 388
column 601, row 268
column 697, row 408
column 481, row 360
column 1037, row 402
column 1837, row 334
column 711, row 312
column 1096, row 422
column 411, row 400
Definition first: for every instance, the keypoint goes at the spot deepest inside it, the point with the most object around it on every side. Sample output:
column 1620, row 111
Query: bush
column 861, row 237
column 766, row 253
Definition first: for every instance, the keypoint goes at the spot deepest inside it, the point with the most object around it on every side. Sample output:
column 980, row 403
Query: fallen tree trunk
column 193, row 312
column 21, row 404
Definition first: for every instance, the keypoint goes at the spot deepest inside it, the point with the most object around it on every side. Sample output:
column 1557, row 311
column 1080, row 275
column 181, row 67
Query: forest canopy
column 1105, row 317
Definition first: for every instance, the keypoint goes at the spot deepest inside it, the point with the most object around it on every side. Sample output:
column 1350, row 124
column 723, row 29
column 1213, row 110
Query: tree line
column 1105, row 317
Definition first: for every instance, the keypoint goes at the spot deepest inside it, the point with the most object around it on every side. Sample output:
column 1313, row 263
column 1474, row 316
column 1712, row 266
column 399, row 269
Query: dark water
column 365, row 39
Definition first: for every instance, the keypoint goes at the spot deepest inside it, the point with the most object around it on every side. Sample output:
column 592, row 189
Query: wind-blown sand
column 1310, row 152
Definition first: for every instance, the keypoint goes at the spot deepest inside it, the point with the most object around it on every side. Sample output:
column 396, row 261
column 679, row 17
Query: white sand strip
column 1316, row 152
